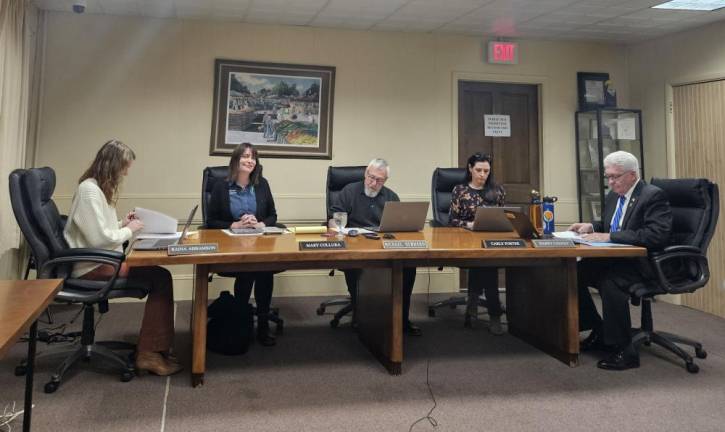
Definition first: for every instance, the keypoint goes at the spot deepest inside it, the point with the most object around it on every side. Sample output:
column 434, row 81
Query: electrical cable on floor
column 57, row 333
column 428, row 416
column 8, row 416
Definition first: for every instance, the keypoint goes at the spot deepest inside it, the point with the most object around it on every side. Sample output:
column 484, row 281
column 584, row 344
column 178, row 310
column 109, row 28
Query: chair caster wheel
column 699, row 353
column 334, row 323
column 20, row 370
column 126, row 376
column 320, row 311
column 51, row 387
column 692, row 368
column 431, row 312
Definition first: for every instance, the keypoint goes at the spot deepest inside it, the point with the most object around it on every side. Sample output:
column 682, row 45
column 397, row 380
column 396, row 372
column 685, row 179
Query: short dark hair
column 234, row 163
column 480, row 157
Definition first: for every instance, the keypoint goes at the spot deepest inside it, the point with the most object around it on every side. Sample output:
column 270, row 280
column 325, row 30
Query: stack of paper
column 156, row 222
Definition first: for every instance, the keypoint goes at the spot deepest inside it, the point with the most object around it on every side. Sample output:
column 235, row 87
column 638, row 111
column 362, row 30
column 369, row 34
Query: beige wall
column 687, row 57
column 149, row 83
column 654, row 66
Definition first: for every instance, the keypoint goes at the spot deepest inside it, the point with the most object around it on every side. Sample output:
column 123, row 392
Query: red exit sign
column 503, row 52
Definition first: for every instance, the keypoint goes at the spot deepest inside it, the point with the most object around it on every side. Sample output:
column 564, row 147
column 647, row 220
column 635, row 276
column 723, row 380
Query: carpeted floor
column 320, row 379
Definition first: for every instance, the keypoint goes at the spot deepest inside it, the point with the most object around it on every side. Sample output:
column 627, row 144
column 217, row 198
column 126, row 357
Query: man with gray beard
column 363, row 202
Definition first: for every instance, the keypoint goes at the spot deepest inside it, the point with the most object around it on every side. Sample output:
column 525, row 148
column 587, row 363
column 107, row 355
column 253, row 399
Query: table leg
column 542, row 308
column 198, row 324
column 29, row 376
column 380, row 314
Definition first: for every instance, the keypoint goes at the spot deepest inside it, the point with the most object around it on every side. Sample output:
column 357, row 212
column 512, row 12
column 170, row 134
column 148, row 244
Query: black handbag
column 230, row 326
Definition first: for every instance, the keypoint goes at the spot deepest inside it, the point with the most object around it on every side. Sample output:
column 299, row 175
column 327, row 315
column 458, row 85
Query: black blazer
column 648, row 221
column 220, row 215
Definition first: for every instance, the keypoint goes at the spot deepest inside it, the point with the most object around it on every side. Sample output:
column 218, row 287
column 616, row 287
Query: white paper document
column 626, row 129
column 497, row 125
column 577, row 238
column 240, row 233
column 156, row 222
column 571, row 235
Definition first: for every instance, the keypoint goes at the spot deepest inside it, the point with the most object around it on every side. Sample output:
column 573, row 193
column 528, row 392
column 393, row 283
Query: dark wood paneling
column 515, row 158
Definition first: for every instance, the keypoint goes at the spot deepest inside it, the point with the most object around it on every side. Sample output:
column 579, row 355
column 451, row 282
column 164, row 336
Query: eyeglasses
column 372, row 178
column 614, row 177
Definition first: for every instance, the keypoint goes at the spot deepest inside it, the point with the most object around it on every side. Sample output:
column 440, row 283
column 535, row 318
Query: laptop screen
column 186, row 226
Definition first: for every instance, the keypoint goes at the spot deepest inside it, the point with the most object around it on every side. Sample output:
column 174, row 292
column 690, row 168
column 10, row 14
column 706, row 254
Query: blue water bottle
column 547, row 214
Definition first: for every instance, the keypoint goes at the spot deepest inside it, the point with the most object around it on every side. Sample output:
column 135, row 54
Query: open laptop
column 163, row 243
column 522, row 225
column 402, row 217
column 492, row 219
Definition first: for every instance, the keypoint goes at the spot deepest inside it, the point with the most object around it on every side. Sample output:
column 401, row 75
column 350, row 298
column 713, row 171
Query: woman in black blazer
column 245, row 200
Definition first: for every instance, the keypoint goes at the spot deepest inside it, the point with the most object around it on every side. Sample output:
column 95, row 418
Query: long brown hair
column 234, row 163
column 108, row 166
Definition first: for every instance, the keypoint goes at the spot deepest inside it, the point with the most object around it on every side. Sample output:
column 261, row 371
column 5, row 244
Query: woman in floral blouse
column 479, row 190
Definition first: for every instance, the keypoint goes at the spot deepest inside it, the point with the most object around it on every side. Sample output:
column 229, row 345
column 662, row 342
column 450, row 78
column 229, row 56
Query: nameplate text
column 322, row 245
column 192, row 249
column 503, row 244
column 553, row 243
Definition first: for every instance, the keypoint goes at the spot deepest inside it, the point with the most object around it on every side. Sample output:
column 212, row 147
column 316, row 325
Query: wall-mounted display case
column 598, row 133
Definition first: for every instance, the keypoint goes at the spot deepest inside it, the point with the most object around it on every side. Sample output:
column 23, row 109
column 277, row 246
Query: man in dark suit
column 363, row 202
column 634, row 213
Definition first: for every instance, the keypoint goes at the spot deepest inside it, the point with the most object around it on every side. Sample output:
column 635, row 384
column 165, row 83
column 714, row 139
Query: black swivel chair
column 682, row 267
column 211, row 176
column 338, row 178
column 42, row 226
column 442, row 184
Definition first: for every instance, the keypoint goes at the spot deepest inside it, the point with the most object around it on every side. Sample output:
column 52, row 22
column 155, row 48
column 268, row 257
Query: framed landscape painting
column 285, row 110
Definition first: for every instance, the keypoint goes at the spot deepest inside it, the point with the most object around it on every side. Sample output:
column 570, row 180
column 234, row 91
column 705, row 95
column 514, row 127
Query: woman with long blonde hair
column 94, row 223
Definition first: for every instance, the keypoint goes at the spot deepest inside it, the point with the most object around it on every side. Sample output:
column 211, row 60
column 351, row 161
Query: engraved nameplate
column 191, row 249
column 323, row 245
column 503, row 244
column 553, row 243
column 405, row 244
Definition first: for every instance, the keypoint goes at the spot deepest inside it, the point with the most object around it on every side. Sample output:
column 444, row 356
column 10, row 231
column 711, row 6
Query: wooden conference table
column 20, row 304
column 541, row 287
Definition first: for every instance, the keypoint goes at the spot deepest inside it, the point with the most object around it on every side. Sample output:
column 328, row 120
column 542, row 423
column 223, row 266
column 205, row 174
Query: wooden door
column 699, row 113
column 515, row 158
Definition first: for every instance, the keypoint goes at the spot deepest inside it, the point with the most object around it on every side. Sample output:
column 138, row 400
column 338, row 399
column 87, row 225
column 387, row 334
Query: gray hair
column 625, row 160
column 378, row 163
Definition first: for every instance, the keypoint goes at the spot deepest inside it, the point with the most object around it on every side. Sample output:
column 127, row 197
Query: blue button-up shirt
column 242, row 200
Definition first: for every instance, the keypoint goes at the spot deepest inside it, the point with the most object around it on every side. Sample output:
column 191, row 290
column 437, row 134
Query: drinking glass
column 340, row 219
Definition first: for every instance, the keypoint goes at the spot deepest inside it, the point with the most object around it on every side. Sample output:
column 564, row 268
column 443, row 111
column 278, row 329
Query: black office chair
column 338, row 178
column 37, row 215
column 210, row 177
column 31, row 266
column 682, row 267
column 444, row 180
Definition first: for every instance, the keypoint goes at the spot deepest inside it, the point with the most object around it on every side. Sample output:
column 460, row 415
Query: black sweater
column 220, row 215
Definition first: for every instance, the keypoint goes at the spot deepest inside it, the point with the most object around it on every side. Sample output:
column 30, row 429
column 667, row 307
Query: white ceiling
column 617, row 21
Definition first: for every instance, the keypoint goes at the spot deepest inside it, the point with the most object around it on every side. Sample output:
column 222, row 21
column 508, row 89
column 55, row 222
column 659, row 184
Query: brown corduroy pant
column 157, row 327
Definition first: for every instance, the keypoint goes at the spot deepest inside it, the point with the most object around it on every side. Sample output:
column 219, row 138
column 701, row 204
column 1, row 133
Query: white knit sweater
column 93, row 223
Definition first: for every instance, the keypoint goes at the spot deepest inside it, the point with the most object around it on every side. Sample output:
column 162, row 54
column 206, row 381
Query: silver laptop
column 492, row 219
column 402, row 217
column 163, row 243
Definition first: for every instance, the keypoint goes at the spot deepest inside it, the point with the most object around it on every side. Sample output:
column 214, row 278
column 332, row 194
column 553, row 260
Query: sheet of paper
column 497, row 125
column 275, row 230
column 626, row 129
column 604, row 244
column 567, row 235
column 229, row 233
column 156, row 222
